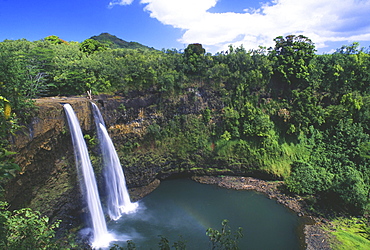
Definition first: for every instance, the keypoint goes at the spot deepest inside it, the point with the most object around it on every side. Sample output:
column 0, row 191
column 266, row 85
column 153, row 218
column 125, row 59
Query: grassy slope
column 349, row 233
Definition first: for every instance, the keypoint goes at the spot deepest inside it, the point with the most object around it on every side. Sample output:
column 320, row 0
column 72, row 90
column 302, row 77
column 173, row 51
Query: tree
column 90, row 46
column 194, row 48
column 7, row 126
column 291, row 56
column 341, row 73
column 17, row 83
column 224, row 239
column 25, row 229
column 351, row 188
column 337, row 165
column 306, row 110
column 307, row 179
column 248, row 122
column 349, row 49
column 195, row 59
column 55, row 40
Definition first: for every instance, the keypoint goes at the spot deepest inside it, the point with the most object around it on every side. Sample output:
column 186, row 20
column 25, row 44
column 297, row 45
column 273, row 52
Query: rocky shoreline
column 315, row 236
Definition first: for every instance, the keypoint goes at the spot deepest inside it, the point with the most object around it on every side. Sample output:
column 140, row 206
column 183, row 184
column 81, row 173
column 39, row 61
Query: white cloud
column 322, row 21
column 184, row 14
column 120, row 2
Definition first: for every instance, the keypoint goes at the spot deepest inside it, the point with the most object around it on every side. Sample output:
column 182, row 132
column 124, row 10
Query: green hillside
column 114, row 42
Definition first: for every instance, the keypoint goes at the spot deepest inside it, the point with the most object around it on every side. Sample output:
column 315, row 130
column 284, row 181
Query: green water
column 187, row 208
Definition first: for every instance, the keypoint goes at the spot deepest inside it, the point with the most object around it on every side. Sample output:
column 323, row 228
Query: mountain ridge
column 115, row 42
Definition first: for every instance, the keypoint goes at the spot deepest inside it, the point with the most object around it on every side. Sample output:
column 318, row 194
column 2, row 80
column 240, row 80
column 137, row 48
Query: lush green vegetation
column 350, row 233
column 284, row 111
column 26, row 229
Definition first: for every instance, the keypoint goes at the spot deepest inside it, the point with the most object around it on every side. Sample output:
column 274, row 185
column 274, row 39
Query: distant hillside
column 114, row 42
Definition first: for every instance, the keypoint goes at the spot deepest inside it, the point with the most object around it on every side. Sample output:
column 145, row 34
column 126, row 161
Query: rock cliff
column 48, row 180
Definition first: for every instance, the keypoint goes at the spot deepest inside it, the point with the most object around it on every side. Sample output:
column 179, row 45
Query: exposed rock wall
column 48, row 180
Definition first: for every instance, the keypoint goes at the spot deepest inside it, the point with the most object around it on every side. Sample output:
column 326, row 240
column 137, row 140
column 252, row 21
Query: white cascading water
column 101, row 237
column 118, row 199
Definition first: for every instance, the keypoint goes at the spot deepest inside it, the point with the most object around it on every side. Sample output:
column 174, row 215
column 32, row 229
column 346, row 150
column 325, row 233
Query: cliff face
column 48, row 180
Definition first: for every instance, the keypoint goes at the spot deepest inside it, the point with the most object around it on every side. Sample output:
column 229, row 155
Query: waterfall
column 101, row 237
column 118, row 199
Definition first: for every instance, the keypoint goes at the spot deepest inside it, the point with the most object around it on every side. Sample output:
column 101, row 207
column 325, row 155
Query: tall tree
column 90, row 46
column 291, row 56
column 195, row 59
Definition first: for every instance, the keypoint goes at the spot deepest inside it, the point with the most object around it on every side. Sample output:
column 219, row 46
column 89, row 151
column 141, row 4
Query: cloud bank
column 323, row 21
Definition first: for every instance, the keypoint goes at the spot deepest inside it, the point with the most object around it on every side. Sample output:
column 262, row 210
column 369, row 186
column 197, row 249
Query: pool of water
column 186, row 208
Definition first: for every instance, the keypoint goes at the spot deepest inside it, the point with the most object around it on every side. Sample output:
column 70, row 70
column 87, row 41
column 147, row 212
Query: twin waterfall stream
column 118, row 200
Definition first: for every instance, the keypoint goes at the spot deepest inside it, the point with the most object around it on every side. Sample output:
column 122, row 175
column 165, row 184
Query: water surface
column 188, row 208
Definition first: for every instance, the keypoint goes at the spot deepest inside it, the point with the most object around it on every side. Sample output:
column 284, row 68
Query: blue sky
column 176, row 23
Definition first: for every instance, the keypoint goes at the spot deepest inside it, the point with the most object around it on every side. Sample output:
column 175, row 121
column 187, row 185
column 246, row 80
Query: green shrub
column 25, row 229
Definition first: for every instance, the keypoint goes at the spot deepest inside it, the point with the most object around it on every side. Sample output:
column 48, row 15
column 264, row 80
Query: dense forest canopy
column 286, row 111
